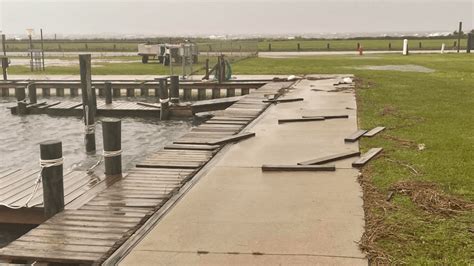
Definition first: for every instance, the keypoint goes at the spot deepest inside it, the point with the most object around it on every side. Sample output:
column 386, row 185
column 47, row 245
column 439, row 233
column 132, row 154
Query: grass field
column 242, row 45
column 429, row 218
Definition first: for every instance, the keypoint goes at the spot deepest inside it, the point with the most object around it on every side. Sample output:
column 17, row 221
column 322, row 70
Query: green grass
column 435, row 109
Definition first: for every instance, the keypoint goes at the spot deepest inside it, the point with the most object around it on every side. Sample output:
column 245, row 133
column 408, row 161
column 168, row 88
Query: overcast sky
column 194, row 17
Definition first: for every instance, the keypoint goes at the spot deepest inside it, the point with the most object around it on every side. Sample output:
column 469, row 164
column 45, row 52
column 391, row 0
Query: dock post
column 174, row 89
column 4, row 49
column 89, row 102
column 4, row 67
column 20, row 98
column 108, row 92
column 112, row 137
column 230, row 92
column 216, row 93
column 164, row 99
column 32, row 93
column 116, row 92
column 207, row 68
column 470, row 39
column 51, row 155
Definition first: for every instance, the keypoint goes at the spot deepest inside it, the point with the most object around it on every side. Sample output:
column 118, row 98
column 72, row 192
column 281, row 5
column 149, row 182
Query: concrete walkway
column 237, row 215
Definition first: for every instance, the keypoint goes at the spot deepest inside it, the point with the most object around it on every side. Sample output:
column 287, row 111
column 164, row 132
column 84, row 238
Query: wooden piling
column 244, row 91
column 112, row 138
column 130, row 92
column 174, row 89
column 108, row 92
column 32, row 93
column 5, row 92
column 73, row 92
column 89, row 102
column 164, row 99
column 4, row 67
column 116, row 92
column 20, row 98
column 60, row 92
column 269, row 47
column 45, row 92
column 52, row 178
column 298, row 47
column 216, row 93
column 4, row 49
column 207, row 69
column 470, row 38
column 187, row 92
column 230, row 92
column 201, row 93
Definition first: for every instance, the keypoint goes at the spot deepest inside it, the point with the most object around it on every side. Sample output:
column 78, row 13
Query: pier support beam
column 32, row 93
column 52, row 178
column 112, row 136
column 108, row 92
column 164, row 99
column 20, row 98
column 174, row 89
column 89, row 102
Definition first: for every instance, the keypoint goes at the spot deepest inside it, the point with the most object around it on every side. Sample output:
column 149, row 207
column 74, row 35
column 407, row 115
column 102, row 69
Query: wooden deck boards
column 91, row 232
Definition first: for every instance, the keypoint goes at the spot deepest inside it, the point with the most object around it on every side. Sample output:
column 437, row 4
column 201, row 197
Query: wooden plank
column 190, row 147
column 271, row 167
column 331, row 158
column 292, row 120
column 149, row 105
column 327, row 116
column 49, row 255
column 366, row 157
column 374, row 131
column 355, row 136
column 284, row 100
column 233, row 138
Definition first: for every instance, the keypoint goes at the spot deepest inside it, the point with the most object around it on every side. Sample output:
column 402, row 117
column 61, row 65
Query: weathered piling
column 298, row 47
column 112, row 138
column 216, row 93
column 4, row 67
column 269, row 47
column 206, row 66
column 60, row 92
column 130, row 92
column 4, row 49
column 187, row 92
column 116, row 92
column 459, row 36
column 32, row 93
column 174, row 89
column 89, row 102
column 470, row 44
column 20, row 98
column 164, row 99
column 201, row 93
column 108, row 92
column 51, row 155
column 230, row 92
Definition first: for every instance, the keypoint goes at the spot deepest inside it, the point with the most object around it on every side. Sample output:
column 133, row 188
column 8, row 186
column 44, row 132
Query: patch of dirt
column 427, row 196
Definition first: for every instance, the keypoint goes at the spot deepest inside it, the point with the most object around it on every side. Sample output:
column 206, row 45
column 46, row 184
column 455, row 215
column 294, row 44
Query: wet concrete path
column 237, row 214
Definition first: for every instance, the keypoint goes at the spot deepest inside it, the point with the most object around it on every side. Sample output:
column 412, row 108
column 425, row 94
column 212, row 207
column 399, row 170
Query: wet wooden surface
column 100, row 223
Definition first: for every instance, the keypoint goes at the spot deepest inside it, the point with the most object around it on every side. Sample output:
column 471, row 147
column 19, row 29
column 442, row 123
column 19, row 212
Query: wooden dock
column 17, row 185
column 97, row 226
column 128, row 108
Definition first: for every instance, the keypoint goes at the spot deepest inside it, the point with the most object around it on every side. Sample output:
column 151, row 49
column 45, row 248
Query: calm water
column 20, row 137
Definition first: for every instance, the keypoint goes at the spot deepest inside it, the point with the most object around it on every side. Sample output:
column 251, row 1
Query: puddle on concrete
column 403, row 68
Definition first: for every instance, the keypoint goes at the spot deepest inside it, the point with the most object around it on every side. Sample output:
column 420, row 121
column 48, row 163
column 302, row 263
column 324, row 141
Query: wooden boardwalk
column 100, row 223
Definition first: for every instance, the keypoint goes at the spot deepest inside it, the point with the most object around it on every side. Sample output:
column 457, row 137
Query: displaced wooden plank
column 355, row 136
column 233, row 138
column 366, row 157
column 331, row 158
column 374, row 131
column 284, row 100
column 274, row 167
column 292, row 120
column 149, row 105
column 191, row 147
column 327, row 116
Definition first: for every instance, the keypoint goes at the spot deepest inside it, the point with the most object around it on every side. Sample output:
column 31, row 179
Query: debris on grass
column 428, row 196
column 421, row 146
column 401, row 142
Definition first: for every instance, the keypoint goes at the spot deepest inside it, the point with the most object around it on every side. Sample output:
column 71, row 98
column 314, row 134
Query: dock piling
column 112, row 138
column 108, row 92
column 174, row 89
column 20, row 98
column 164, row 99
column 51, row 155
column 4, row 67
column 32, row 93
column 89, row 102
